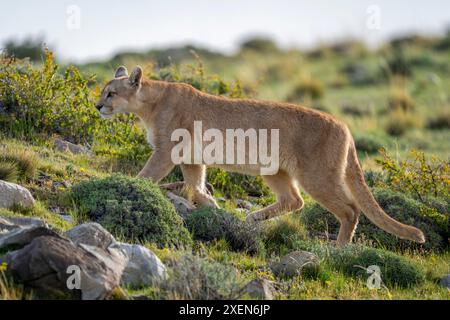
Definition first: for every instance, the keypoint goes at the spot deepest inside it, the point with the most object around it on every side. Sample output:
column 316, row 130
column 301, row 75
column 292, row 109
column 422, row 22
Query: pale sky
column 109, row 26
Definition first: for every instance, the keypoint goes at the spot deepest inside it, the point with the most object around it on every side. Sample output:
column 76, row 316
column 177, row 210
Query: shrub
column 21, row 163
column 417, row 175
column 356, row 111
column 307, row 88
column 8, row 171
column 368, row 143
column 196, row 278
column 395, row 270
column 283, row 234
column 359, row 75
column 131, row 208
column 439, row 122
column 207, row 224
column 263, row 45
column 399, row 99
column 400, row 122
column 400, row 207
column 397, row 64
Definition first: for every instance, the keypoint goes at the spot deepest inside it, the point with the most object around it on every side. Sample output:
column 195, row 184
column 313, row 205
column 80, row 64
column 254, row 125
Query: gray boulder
column 293, row 263
column 91, row 234
column 445, row 281
column 21, row 231
column 12, row 194
column 260, row 289
column 143, row 266
column 183, row 206
column 65, row 146
column 49, row 264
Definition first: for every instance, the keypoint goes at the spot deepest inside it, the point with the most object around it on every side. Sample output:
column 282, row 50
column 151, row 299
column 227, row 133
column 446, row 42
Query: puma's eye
column 110, row 94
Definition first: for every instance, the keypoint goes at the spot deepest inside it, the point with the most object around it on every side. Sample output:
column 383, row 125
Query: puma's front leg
column 158, row 166
column 194, row 185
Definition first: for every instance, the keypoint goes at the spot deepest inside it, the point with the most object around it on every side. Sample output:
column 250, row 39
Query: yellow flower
column 3, row 266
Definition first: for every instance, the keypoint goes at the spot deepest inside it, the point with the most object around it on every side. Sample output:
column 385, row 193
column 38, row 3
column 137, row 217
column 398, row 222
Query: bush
column 8, row 171
column 207, row 224
column 400, row 207
column 441, row 121
column 282, row 235
column 131, row 208
column 417, row 175
column 395, row 270
column 20, row 164
column 307, row 88
column 400, row 122
column 399, row 99
column 369, row 144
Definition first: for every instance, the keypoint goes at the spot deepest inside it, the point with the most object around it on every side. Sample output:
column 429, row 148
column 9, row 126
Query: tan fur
column 316, row 150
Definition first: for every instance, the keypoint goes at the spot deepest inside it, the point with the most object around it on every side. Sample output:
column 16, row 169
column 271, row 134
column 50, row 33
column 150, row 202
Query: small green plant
column 195, row 277
column 131, row 208
column 207, row 224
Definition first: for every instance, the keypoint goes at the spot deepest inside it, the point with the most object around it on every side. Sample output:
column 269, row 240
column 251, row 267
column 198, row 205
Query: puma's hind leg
column 194, row 185
column 331, row 193
column 288, row 197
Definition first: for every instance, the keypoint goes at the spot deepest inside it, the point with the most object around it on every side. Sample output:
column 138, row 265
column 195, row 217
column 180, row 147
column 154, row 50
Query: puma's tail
column 360, row 191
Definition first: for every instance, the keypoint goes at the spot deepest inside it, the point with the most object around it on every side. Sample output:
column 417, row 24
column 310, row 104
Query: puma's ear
column 136, row 76
column 121, row 72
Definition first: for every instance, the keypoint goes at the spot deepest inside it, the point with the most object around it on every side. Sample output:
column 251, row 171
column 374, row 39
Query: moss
column 132, row 208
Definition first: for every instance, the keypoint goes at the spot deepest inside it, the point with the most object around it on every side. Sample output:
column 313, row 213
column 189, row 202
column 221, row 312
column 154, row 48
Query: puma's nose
column 99, row 106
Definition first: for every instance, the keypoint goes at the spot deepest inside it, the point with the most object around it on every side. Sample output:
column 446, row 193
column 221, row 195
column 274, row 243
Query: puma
column 316, row 151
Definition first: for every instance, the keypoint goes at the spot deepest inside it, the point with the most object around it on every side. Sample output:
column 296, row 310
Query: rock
column 67, row 217
column 26, row 221
column 6, row 226
column 244, row 204
column 91, row 234
column 66, row 146
column 143, row 267
column 445, row 281
column 293, row 263
column 44, row 265
column 260, row 289
column 183, row 206
column 12, row 194
column 20, row 236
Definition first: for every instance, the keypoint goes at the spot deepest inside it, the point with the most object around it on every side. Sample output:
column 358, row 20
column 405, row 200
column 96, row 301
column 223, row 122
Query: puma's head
column 119, row 94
